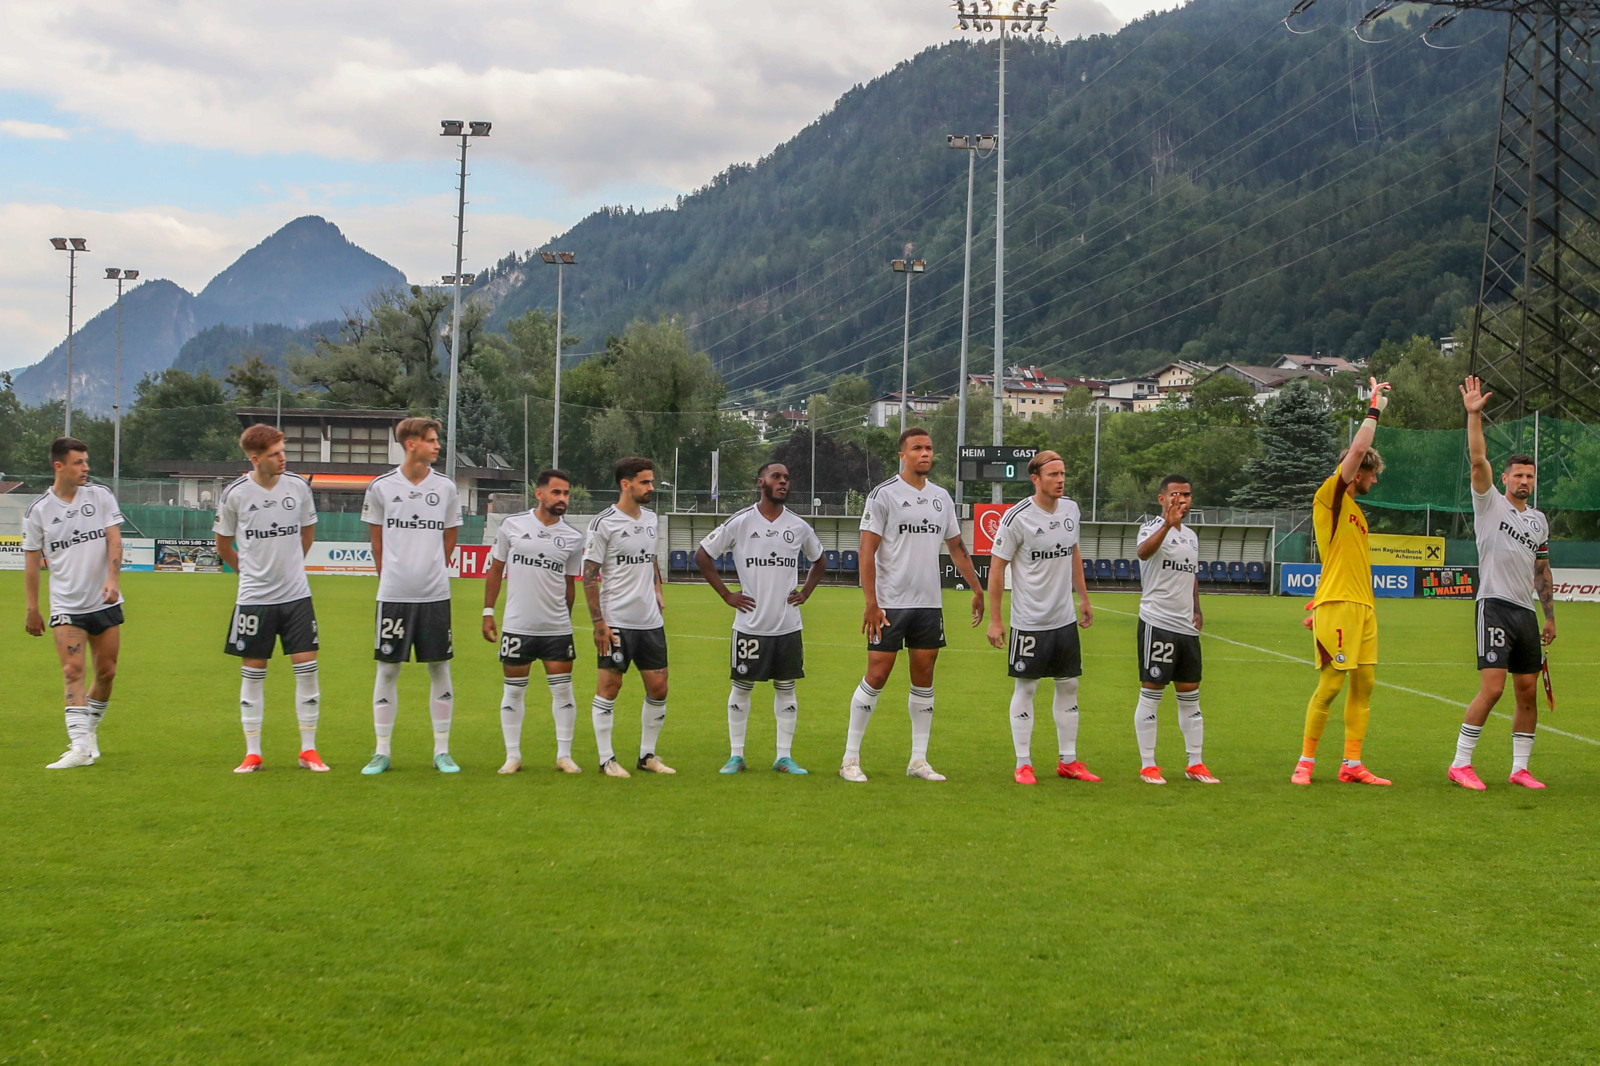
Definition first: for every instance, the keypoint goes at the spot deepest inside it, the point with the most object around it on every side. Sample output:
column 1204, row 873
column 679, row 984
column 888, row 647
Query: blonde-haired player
column 1344, row 619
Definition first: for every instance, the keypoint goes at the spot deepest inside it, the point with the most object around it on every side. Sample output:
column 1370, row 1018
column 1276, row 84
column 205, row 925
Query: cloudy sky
column 176, row 134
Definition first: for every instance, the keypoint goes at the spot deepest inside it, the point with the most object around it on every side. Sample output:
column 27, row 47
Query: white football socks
column 97, row 712
column 738, row 716
column 1193, row 726
column 564, row 709
column 441, row 705
column 786, row 709
column 603, row 713
column 78, row 731
column 1144, row 723
column 919, row 704
column 1022, row 692
column 1065, row 709
column 1466, row 744
column 307, row 703
column 862, row 704
column 1521, row 750
column 651, row 718
column 385, row 704
column 513, row 708
column 252, row 694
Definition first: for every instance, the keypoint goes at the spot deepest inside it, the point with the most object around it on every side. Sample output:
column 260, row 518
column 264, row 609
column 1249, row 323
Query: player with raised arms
column 1344, row 619
column 539, row 557
column 266, row 522
column 766, row 540
column 1513, row 572
column 902, row 525
column 1038, row 539
column 413, row 514
column 76, row 528
column 1169, row 631
column 622, row 585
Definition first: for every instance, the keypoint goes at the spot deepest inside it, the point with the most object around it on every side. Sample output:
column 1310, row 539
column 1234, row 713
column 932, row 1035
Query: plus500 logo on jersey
column 538, row 561
column 414, row 522
column 624, row 559
column 274, row 531
column 83, row 537
column 918, row 527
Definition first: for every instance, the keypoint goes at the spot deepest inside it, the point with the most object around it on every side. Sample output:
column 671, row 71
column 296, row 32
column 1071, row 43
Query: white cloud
column 32, row 131
column 666, row 92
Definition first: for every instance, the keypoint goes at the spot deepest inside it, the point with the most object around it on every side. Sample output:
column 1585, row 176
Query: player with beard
column 1344, row 618
column 767, row 540
column 539, row 557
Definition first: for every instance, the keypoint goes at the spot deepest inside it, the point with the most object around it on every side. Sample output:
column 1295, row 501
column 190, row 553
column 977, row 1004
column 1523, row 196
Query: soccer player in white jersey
column 1169, row 631
column 539, row 556
column 622, row 586
column 414, row 516
column 266, row 521
column 76, row 528
column 1038, row 539
column 766, row 540
column 1513, row 572
column 904, row 522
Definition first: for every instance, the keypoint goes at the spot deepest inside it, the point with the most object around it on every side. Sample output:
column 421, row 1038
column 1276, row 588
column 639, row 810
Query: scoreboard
column 994, row 463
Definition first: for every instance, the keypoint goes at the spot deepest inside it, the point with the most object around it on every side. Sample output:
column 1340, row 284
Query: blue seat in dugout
column 1137, row 573
column 726, row 564
column 831, row 557
column 1102, row 569
column 1235, row 571
column 1219, row 571
column 1203, row 573
column 1088, row 569
column 1121, row 570
column 1255, row 573
column 679, row 560
column 849, row 561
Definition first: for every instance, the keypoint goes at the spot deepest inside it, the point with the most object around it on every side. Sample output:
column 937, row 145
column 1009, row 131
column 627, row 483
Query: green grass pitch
column 156, row 907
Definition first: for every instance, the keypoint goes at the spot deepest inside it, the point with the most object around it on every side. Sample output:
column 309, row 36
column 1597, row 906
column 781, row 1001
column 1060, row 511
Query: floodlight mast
column 119, row 276
column 1013, row 16
column 456, row 128
column 983, row 142
column 908, row 267
column 72, row 246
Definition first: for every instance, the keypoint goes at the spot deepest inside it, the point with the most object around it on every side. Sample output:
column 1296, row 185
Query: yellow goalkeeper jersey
column 1341, row 531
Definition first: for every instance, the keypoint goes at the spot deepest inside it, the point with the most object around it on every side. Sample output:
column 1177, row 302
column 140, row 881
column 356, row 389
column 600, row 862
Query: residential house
column 885, row 410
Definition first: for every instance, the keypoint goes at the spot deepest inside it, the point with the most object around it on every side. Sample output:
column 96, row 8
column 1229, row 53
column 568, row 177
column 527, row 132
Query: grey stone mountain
column 305, row 273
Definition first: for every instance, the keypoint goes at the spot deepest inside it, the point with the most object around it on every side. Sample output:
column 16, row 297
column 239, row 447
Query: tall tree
column 1298, row 451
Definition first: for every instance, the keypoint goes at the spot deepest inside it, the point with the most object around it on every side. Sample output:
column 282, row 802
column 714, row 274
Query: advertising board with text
column 1390, row 549
column 1394, row 582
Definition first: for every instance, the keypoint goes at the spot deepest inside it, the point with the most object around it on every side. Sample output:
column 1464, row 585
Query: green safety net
column 1428, row 469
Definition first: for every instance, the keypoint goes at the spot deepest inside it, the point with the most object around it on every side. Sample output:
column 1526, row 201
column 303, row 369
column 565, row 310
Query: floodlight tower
column 1536, row 325
column 119, row 276
column 464, row 130
column 72, row 246
column 1013, row 16
column 983, row 142
column 560, row 260
column 908, row 267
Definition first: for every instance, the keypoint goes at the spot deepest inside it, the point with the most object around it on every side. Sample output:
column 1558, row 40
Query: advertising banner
column 471, row 560
column 950, row 577
column 340, row 557
column 1394, row 582
column 1577, row 585
column 1447, row 582
column 11, row 554
column 1390, row 549
column 188, row 557
column 985, row 523
column 138, row 554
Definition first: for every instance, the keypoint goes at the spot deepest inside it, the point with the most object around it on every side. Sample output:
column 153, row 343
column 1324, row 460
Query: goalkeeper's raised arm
column 1369, row 426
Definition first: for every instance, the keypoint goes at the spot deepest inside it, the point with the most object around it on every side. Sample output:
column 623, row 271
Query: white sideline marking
column 1386, row 684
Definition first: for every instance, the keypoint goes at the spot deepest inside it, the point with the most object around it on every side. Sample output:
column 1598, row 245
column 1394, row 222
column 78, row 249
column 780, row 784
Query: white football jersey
column 265, row 525
column 72, row 537
column 1509, row 542
column 625, row 549
column 538, row 560
column 767, row 557
column 1167, row 579
column 1037, row 544
column 414, row 518
column 913, row 523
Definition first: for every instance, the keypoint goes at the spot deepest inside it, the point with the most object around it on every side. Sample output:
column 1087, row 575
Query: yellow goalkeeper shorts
column 1346, row 634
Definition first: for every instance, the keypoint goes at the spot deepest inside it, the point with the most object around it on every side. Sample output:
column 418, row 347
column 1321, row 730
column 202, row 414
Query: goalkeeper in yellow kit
column 1343, row 620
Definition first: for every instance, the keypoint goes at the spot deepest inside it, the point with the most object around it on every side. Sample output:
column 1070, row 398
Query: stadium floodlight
column 464, row 279
column 982, row 142
column 119, row 276
column 559, row 260
column 1017, row 17
column 908, row 267
column 72, row 246
column 451, row 127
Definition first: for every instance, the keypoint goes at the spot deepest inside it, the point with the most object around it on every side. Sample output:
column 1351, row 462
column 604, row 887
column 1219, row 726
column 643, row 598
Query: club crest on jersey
column 433, row 499
column 288, row 503
column 938, row 505
column 88, row 510
column 616, row 656
column 1339, row 658
column 386, row 649
column 1491, row 657
column 1155, row 671
column 561, row 542
column 742, row 668
column 788, row 536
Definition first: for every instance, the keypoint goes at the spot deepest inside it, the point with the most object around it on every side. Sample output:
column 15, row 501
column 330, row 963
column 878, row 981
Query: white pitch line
column 1386, row 684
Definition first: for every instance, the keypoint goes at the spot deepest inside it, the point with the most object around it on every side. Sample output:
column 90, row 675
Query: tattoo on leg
column 74, row 649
